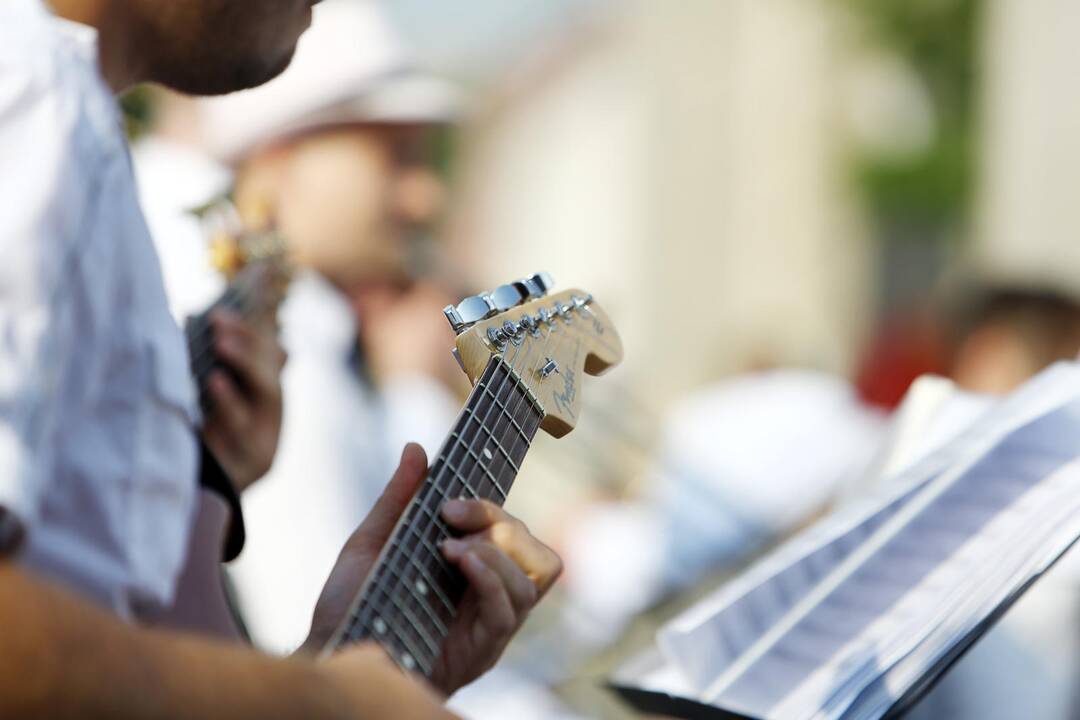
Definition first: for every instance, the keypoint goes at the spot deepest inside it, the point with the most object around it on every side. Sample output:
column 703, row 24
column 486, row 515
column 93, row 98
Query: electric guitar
column 526, row 354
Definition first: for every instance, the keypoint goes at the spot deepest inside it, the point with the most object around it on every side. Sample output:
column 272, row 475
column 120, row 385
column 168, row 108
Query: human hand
column 243, row 422
column 507, row 569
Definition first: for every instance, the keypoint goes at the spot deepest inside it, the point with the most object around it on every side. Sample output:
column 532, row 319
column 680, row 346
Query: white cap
column 349, row 67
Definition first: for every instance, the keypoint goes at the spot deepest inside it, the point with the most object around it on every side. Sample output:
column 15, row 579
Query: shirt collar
column 83, row 38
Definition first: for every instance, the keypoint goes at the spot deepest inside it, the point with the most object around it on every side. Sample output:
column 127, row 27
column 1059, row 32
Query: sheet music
column 840, row 621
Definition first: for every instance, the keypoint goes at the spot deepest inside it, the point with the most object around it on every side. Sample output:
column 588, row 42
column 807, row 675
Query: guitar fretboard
column 412, row 594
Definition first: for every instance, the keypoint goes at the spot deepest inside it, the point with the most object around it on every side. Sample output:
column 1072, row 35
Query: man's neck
column 118, row 56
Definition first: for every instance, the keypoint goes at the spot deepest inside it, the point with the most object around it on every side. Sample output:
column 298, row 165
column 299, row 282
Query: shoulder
column 30, row 54
column 50, row 89
column 58, row 124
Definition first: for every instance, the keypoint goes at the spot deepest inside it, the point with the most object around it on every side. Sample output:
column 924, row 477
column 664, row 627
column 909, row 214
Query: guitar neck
column 255, row 292
column 411, row 595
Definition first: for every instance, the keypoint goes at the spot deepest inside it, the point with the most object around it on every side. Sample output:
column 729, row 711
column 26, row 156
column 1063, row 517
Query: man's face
column 212, row 47
column 345, row 198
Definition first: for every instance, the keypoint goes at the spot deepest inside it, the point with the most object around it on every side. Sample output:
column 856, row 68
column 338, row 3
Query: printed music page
column 854, row 616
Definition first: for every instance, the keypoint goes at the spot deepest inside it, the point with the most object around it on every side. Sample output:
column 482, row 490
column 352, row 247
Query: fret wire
column 409, row 556
column 491, row 435
column 429, row 580
column 504, row 466
column 466, row 442
column 490, row 432
column 441, row 562
column 457, row 472
column 402, row 580
column 512, row 372
column 509, row 372
column 397, row 633
column 469, row 414
column 506, row 413
column 387, row 586
column 482, row 427
column 469, row 486
column 526, row 396
column 414, row 623
column 438, row 473
column 376, row 600
column 433, row 584
column 411, row 560
column 436, row 519
column 391, row 639
column 409, row 523
column 486, row 378
column 510, row 417
column 490, row 476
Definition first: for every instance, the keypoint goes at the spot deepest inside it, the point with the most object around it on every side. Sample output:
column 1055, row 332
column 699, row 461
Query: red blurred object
column 908, row 345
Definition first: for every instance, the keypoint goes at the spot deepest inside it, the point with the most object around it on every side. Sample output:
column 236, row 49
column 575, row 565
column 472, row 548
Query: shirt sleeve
column 40, row 206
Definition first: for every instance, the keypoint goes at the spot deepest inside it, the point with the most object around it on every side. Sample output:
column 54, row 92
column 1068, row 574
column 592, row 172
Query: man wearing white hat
column 98, row 421
column 333, row 151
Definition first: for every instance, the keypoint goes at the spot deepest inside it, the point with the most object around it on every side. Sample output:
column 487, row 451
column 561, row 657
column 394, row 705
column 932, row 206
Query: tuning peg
column 536, row 286
column 473, row 309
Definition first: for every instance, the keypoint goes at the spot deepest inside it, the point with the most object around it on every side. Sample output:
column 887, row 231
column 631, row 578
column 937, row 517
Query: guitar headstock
column 254, row 262
column 550, row 342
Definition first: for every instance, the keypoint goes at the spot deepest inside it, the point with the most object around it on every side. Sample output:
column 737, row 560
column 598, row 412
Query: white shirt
column 97, row 451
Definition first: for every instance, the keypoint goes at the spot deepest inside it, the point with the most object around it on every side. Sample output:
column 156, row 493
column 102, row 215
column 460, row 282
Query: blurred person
column 741, row 464
column 98, row 412
column 1003, row 336
column 335, row 154
column 988, row 338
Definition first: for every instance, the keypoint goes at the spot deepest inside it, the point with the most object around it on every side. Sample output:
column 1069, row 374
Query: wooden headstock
column 549, row 342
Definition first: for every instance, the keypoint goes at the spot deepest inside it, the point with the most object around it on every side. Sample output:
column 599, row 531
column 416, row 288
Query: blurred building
column 680, row 160
column 1029, row 204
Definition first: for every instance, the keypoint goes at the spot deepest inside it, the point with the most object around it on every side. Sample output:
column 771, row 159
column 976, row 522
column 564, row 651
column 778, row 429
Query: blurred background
column 790, row 208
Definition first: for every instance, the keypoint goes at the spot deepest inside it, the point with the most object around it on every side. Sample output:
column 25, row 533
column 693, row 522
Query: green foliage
column 939, row 40
column 137, row 106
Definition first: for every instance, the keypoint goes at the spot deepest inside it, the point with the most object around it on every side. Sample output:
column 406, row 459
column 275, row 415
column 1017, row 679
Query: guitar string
column 357, row 614
column 385, row 584
column 240, row 298
column 403, row 552
column 521, row 401
column 511, row 419
column 436, row 490
column 509, row 369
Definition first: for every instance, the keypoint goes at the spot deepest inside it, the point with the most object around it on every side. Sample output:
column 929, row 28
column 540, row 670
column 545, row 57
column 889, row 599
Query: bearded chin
column 206, row 75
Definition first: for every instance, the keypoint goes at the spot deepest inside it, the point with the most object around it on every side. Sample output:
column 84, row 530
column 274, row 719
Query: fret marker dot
column 487, row 453
column 407, row 661
column 421, row 587
column 379, row 625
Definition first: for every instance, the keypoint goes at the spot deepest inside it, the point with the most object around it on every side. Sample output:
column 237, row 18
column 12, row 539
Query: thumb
column 380, row 522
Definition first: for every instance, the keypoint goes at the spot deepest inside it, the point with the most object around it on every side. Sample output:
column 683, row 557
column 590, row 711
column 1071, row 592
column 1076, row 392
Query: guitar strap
column 212, row 477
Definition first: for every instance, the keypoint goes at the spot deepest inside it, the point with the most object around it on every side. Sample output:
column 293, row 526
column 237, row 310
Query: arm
column 62, row 657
